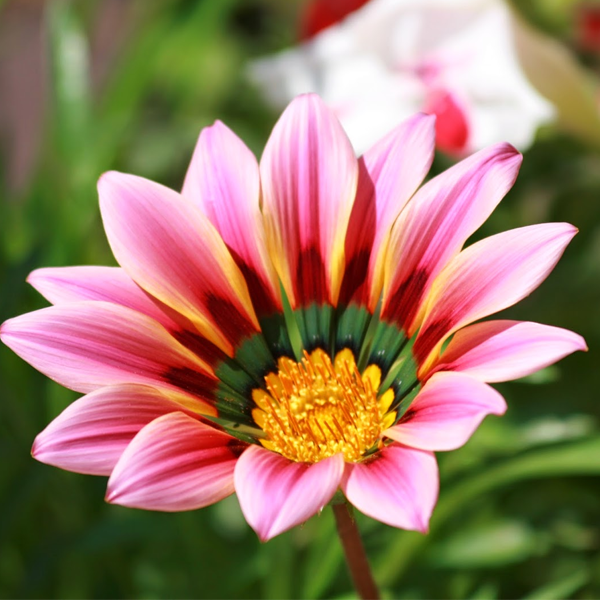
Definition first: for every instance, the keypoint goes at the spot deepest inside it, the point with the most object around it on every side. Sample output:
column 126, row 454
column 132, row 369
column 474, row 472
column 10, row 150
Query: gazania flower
column 276, row 329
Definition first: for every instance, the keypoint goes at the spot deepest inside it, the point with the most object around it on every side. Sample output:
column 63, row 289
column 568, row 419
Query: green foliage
column 518, row 514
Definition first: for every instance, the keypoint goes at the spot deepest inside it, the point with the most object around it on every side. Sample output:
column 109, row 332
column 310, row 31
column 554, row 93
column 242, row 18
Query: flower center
column 314, row 409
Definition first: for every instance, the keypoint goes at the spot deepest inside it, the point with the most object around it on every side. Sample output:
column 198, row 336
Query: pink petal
column 309, row 175
column 436, row 223
column 88, row 345
column 111, row 284
column 390, row 172
column 90, row 435
column 276, row 494
column 489, row 276
column 504, row 350
column 175, row 463
column 446, row 412
column 223, row 181
column 398, row 487
column 173, row 252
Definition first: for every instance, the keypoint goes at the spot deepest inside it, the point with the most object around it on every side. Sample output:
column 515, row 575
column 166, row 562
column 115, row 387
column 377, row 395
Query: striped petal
column 309, row 177
column 389, row 174
column 399, row 487
column 446, row 412
column 110, row 284
column 90, row 435
column 276, row 494
column 487, row 277
column 503, row 350
column 60, row 285
column 88, row 345
column 173, row 252
column 437, row 222
column 223, row 181
column 175, row 463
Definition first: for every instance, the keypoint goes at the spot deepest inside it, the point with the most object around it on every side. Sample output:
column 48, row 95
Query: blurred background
column 127, row 84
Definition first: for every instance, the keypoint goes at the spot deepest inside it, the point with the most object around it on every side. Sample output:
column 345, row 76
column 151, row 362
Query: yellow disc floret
column 314, row 409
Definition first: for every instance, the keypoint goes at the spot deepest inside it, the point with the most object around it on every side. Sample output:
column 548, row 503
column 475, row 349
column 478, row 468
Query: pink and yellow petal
column 90, row 435
column 88, row 345
column 435, row 224
column 223, row 181
column 109, row 284
column 496, row 351
column 175, row 463
column 169, row 248
column 309, row 176
column 276, row 494
column 398, row 487
column 60, row 285
column 487, row 277
column 446, row 412
column 389, row 174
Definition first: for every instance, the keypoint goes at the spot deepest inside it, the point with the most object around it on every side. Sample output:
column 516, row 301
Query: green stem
column 354, row 551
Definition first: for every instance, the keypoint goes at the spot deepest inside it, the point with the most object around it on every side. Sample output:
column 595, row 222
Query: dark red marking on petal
column 408, row 415
column 194, row 382
column 429, row 338
column 359, row 240
column 262, row 299
column 235, row 325
column 320, row 14
column 200, row 346
column 228, row 319
column 404, row 303
column 354, row 284
column 236, row 447
column 311, row 280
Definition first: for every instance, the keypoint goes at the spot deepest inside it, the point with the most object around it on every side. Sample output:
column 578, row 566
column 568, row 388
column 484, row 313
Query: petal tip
column 35, row 448
column 6, row 330
column 114, row 493
column 108, row 178
column 34, row 276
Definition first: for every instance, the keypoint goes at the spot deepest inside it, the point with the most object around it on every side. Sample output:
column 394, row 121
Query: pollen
column 313, row 409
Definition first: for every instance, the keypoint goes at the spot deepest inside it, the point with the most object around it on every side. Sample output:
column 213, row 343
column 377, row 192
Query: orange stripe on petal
column 487, row 277
column 389, row 174
column 60, row 285
column 174, row 253
column 436, row 223
column 223, row 181
column 309, row 177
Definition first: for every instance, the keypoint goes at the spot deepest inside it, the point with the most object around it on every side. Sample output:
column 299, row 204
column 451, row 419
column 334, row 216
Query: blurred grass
column 518, row 514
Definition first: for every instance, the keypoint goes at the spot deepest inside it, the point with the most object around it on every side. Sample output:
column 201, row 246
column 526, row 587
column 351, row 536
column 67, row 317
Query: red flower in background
column 320, row 14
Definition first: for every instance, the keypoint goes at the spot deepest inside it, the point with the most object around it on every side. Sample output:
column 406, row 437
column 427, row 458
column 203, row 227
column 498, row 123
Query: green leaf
column 69, row 78
column 493, row 545
column 564, row 587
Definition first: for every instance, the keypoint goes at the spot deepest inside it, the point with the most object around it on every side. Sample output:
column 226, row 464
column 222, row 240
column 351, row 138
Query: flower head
column 276, row 328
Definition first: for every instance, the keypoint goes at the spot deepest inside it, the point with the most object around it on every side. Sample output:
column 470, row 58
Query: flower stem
column 356, row 559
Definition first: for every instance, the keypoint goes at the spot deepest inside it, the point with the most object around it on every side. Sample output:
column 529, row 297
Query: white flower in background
column 457, row 59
